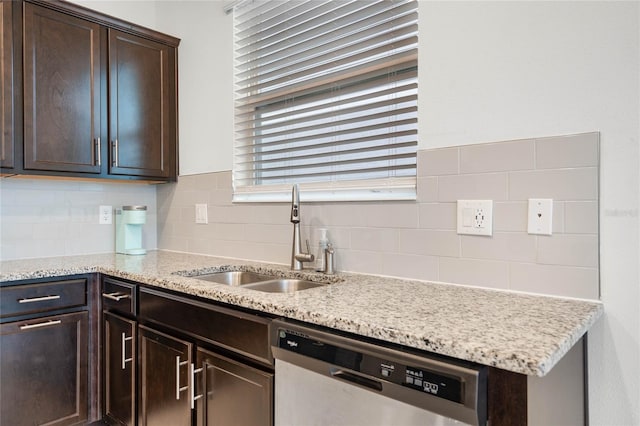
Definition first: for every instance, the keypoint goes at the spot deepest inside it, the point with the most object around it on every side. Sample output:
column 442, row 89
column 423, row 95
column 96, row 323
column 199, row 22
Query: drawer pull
column 194, row 397
column 40, row 324
column 39, row 299
column 178, row 388
column 115, row 296
column 125, row 360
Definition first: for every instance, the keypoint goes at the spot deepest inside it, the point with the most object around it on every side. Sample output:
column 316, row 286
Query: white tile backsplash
column 559, row 184
column 478, row 186
column 418, row 239
column 43, row 218
column 498, row 157
column 405, row 239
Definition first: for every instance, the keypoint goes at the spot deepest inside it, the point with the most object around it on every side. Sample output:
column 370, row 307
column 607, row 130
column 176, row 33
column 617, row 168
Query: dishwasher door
column 322, row 378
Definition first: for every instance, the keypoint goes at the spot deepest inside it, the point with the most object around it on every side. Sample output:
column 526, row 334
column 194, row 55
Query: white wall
column 205, row 82
column 140, row 12
column 491, row 71
column 488, row 71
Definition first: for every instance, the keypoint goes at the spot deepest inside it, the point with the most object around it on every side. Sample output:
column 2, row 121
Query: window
column 326, row 96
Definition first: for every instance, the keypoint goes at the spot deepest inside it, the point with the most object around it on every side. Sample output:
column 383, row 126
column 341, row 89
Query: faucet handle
column 308, row 247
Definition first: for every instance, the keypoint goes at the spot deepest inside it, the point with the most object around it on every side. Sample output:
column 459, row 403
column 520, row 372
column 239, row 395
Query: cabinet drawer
column 234, row 330
column 119, row 296
column 42, row 297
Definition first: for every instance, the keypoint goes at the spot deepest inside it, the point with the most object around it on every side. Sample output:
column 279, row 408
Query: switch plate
column 201, row 213
column 540, row 216
column 475, row 217
column 105, row 217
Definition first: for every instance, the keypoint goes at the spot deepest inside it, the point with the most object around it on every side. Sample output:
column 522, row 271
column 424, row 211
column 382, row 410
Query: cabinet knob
column 178, row 388
column 114, row 152
column 98, row 147
column 40, row 324
column 194, row 397
column 125, row 360
column 39, row 299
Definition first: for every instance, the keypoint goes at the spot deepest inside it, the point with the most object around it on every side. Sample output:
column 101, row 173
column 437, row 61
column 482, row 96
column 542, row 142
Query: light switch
column 540, row 215
column 201, row 213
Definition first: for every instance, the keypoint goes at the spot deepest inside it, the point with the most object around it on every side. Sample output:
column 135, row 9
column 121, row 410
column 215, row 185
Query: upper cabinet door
column 142, row 106
column 61, row 92
column 6, row 84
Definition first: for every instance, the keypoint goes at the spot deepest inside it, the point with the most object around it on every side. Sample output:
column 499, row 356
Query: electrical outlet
column 201, row 213
column 540, row 216
column 105, row 217
column 475, row 217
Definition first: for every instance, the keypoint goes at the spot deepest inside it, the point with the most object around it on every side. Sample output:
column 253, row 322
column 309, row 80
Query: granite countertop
column 516, row 332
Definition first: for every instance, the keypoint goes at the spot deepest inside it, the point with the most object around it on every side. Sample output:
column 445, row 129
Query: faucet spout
column 297, row 255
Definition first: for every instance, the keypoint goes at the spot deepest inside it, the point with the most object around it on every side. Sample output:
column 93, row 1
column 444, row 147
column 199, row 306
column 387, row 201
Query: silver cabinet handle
column 39, row 299
column 178, row 388
column 194, row 397
column 125, row 360
column 98, row 152
column 114, row 161
column 40, row 324
column 115, row 296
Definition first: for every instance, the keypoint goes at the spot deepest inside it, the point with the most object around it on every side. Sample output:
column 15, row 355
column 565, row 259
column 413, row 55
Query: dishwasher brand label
column 435, row 384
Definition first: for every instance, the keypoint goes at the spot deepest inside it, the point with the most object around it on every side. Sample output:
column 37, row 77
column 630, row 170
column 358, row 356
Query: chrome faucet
column 297, row 256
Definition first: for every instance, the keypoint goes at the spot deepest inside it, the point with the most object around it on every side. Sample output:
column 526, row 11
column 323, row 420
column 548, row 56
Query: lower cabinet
column 166, row 379
column 44, row 370
column 120, row 364
column 161, row 366
column 232, row 393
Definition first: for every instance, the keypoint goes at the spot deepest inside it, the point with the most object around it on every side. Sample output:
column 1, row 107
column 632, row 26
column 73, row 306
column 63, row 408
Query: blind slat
column 374, row 82
column 334, row 143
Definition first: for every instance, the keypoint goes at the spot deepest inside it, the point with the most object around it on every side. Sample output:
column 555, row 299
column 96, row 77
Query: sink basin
column 234, row 277
column 283, row 285
column 259, row 282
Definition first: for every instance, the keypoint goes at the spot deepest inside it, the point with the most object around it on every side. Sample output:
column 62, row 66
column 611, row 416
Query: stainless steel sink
column 283, row 285
column 234, row 277
column 259, row 282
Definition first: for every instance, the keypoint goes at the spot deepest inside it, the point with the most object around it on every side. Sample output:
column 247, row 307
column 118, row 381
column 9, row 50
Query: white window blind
column 326, row 96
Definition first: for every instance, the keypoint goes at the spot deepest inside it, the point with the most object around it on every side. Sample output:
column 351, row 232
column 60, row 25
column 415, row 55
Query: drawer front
column 234, row 330
column 42, row 297
column 119, row 296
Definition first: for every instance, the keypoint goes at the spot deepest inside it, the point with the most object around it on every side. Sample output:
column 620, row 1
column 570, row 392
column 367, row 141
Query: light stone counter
column 521, row 333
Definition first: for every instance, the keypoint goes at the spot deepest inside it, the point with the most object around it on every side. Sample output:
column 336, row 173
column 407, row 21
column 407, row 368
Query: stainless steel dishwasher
column 324, row 378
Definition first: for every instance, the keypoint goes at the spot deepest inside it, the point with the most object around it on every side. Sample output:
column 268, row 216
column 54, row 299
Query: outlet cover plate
column 105, row 216
column 201, row 213
column 540, row 216
column 475, row 217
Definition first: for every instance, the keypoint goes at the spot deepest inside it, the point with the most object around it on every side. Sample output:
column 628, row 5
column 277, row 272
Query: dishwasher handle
column 357, row 379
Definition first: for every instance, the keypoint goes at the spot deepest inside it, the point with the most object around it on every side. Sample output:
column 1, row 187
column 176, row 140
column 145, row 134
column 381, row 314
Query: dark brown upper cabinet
column 6, row 84
column 141, row 112
column 61, row 92
column 98, row 99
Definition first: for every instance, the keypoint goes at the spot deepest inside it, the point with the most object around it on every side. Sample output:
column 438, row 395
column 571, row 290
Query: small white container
column 323, row 241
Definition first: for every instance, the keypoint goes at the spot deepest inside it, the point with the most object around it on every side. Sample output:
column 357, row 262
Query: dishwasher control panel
column 436, row 384
column 386, row 369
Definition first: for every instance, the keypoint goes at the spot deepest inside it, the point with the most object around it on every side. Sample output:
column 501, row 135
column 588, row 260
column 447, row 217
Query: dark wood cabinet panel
column 142, row 106
column 44, row 370
column 165, row 380
column 62, row 99
column 42, row 297
column 120, row 363
column 6, row 85
column 233, row 393
column 85, row 95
